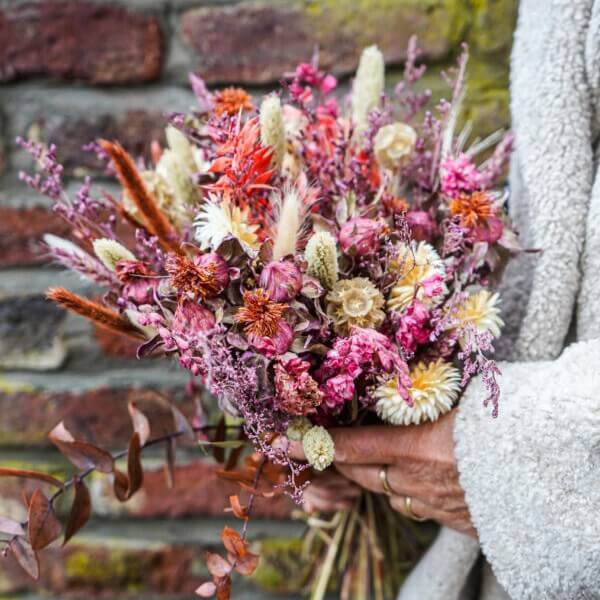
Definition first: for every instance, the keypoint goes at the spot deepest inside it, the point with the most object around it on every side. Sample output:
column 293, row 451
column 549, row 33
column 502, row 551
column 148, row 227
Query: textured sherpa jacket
column 532, row 476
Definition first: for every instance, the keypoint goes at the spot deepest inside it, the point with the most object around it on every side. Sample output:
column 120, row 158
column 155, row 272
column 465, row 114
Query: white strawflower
column 420, row 269
column 321, row 255
column 297, row 429
column 318, row 448
column 368, row 86
column 272, row 129
column 110, row 252
column 482, row 311
column 217, row 220
column 393, row 145
column 434, row 389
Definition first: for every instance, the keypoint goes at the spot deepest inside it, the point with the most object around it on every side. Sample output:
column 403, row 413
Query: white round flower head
column 417, row 263
column 217, row 220
column 318, row 448
column 272, row 129
column 368, row 86
column 321, row 255
column 434, row 389
column 394, row 144
column 481, row 310
column 110, row 252
column 297, row 428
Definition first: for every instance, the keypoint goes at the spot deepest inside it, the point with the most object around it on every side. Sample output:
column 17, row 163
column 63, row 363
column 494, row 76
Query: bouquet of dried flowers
column 312, row 262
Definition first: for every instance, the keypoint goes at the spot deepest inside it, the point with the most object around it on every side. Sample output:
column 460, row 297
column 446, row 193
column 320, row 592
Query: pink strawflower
column 413, row 329
column 282, row 280
column 296, row 392
column 459, row 175
column 360, row 237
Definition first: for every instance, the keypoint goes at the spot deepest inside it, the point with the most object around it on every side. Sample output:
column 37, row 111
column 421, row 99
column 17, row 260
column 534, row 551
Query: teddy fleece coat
column 532, row 476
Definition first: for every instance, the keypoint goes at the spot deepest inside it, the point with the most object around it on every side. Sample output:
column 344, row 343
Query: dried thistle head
column 259, row 315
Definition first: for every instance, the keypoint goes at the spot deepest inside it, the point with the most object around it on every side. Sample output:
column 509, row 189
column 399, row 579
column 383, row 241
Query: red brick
column 21, row 231
column 114, row 344
column 263, row 41
column 73, row 39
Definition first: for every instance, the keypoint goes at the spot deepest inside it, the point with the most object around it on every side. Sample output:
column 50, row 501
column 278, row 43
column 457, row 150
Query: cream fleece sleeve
column 532, row 476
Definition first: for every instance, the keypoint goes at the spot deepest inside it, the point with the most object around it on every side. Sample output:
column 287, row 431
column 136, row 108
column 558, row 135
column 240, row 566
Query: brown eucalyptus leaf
column 8, row 472
column 11, row 527
column 43, row 526
column 217, row 565
column 237, row 508
column 233, row 542
column 120, row 485
column 127, row 485
column 81, row 510
column 141, row 425
column 82, row 454
column 247, row 565
column 224, row 588
column 25, row 556
column 206, row 590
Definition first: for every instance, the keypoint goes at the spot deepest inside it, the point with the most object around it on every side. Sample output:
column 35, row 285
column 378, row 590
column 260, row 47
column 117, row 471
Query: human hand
column 329, row 491
column 419, row 462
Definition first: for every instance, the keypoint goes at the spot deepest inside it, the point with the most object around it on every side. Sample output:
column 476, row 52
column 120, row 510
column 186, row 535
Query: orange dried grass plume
column 259, row 314
column 102, row 316
column 230, row 100
column 152, row 217
column 473, row 209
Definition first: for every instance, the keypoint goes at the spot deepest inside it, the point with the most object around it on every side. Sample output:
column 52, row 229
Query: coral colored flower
column 360, row 237
column 296, row 392
column 459, row 175
column 231, row 100
column 260, row 315
column 206, row 276
column 478, row 214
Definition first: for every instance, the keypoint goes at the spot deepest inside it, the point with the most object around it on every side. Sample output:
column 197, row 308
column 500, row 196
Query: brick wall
column 74, row 70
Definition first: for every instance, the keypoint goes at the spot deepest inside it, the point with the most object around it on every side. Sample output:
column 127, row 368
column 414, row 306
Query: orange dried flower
column 473, row 209
column 261, row 316
column 230, row 100
column 204, row 277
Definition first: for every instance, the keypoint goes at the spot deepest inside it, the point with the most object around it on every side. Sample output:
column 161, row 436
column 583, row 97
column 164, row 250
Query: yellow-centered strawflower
column 355, row 302
column 418, row 264
column 321, row 255
column 481, row 310
column 318, row 448
column 434, row 390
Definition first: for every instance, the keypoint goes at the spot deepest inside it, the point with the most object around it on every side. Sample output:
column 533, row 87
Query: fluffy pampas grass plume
column 110, row 252
column 272, row 129
column 288, row 225
column 368, row 86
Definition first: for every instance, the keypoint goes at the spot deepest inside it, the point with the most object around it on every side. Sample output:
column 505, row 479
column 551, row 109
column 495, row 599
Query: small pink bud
column 217, row 263
column 277, row 344
column 190, row 318
column 359, row 237
column 282, row 280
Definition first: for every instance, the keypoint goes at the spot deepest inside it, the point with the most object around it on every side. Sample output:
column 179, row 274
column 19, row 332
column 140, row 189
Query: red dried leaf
column 11, row 527
column 223, row 588
column 81, row 510
column 207, row 590
column 247, row 565
column 233, row 542
column 7, row 472
column 82, row 454
column 141, row 425
column 217, row 565
column 127, row 485
column 236, row 506
column 43, row 527
column 25, row 556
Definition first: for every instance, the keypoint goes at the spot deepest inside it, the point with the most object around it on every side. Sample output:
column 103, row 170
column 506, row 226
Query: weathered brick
column 114, row 344
column 70, row 39
column 265, row 40
column 31, row 334
column 21, row 232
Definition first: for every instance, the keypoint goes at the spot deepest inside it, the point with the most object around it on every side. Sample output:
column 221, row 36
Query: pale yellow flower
column 298, row 428
column 272, row 130
column 394, row 145
column 434, row 390
column 318, row 448
column 416, row 263
column 321, row 255
column 110, row 252
column 368, row 86
column 355, row 302
column 482, row 311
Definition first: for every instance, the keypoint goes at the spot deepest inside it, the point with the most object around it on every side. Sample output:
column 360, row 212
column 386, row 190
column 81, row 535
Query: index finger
column 371, row 444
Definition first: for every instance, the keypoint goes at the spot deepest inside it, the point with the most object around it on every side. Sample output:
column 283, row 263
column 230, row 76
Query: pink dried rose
column 422, row 226
column 360, row 237
column 459, row 175
column 296, row 392
column 282, row 280
column 279, row 343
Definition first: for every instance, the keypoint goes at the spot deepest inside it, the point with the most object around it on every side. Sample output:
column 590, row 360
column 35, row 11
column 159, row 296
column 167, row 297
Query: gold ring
column 387, row 490
column 409, row 511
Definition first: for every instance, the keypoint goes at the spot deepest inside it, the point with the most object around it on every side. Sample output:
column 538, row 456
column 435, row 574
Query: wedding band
column 387, row 490
column 409, row 511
